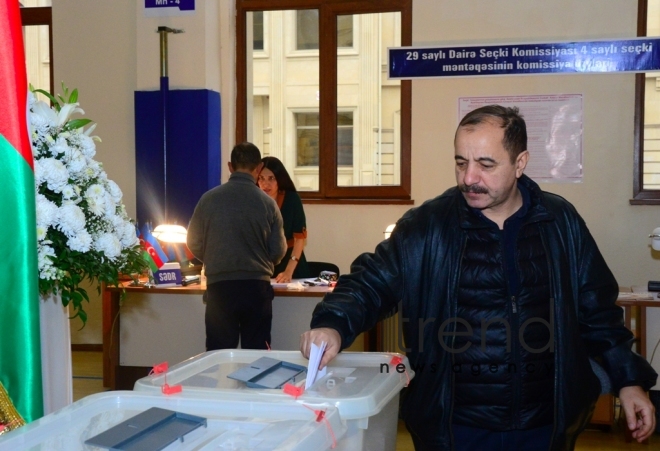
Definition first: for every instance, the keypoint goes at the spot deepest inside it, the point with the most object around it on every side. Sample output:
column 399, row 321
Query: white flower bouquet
column 83, row 231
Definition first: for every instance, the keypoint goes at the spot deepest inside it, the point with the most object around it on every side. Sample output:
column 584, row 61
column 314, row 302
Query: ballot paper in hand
column 313, row 372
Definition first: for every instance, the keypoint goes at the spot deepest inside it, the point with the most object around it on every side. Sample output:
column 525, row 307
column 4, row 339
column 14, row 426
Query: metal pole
column 164, row 90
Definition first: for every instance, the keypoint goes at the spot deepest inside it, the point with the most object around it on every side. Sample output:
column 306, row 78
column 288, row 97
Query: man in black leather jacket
column 504, row 298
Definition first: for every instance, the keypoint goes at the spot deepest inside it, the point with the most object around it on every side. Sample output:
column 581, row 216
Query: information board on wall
column 576, row 57
column 161, row 8
column 554, row 132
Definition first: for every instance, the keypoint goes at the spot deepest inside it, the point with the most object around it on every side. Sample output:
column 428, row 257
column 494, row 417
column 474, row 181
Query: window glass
column 307, row 144
column 345, row 139
column 345, row 135
column 651, row 160
column 372, row 157
column 345, row 31
column 307, row 29
column 258, row 30
column 283, row 97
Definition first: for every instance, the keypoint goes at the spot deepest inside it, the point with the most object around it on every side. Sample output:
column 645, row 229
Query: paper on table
column 313, row 372
column 295, row 284
column 639, row 296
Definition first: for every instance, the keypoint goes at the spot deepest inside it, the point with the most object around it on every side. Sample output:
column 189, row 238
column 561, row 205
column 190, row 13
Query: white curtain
column 55, row 353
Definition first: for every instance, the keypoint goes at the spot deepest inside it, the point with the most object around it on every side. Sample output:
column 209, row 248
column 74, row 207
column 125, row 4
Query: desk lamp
column 170, row 233
column 174, row 235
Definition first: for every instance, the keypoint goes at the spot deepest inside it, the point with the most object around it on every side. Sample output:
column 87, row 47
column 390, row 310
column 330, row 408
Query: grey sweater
column 236, row 230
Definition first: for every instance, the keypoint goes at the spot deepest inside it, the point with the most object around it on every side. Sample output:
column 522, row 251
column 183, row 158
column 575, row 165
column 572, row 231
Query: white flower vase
column 56, row 369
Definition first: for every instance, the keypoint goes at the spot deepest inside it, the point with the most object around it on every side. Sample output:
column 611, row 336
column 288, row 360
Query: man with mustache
column 494, row 279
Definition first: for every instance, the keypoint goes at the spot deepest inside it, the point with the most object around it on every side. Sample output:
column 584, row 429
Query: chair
column 315, row 268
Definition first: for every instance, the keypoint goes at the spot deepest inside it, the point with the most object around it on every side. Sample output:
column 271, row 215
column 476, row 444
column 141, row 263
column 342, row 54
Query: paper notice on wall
column 554, row 132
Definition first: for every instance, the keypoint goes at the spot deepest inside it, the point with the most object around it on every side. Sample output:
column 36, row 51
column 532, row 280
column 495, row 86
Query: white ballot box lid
column 230, row 424
column 358, row 383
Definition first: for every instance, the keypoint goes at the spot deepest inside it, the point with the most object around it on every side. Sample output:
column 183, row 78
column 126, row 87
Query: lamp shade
column 655, row 239
column 170, row 233
column 388, row 230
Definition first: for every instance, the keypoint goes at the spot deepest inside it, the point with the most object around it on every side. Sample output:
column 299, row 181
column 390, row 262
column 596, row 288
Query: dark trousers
column 238, row 308
column 475, row 439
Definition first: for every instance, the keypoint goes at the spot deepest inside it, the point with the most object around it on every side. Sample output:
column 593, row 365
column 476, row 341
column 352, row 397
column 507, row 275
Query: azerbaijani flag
column 20, row 348
column 155, row 257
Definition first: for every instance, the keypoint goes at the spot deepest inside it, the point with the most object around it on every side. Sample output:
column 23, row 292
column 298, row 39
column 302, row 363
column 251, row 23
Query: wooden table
column 117, row 376
column 636, row 307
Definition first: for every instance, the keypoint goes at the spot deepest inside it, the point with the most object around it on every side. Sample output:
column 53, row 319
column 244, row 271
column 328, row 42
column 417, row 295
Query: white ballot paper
column 313, row 372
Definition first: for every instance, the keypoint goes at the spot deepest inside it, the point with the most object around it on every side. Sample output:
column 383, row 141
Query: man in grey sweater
column 236, row 230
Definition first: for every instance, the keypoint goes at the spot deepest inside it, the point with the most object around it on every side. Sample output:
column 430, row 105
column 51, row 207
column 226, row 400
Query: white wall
column 94, row 50
column 108, row 49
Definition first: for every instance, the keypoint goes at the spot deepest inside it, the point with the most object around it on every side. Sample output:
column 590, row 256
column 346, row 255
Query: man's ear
column 231, row 168
column 257, row 170
column 521, row 163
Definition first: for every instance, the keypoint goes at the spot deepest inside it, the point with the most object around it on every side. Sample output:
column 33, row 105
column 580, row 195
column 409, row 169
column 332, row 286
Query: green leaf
column 83, row 316
column 77, row 123
column 73, row 98
column 77, row 298
column 52, row 99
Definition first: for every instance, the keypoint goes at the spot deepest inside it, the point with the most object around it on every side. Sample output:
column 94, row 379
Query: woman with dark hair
column 275, row 181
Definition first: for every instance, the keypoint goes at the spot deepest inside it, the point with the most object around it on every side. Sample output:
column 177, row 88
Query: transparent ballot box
column 363, row 386
column 221, row 425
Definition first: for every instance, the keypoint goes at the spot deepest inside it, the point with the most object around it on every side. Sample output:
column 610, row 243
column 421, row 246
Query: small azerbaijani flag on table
column 152, row 251
column 20, row 355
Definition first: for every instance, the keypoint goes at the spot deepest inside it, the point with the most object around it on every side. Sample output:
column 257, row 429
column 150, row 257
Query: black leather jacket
column 416, row 272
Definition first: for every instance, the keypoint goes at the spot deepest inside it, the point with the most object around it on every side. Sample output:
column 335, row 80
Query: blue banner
column 183, row 5
column 580, row 57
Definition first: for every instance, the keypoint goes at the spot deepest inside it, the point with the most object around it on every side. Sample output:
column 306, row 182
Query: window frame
column 329, row 191
column 641, row 196
column 41, row 15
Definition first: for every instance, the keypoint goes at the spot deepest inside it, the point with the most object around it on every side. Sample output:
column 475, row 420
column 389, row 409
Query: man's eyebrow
column 486, row 160
column 480, row 160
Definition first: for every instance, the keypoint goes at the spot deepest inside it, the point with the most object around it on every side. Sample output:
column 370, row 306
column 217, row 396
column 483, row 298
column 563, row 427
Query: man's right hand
column 316, row 336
